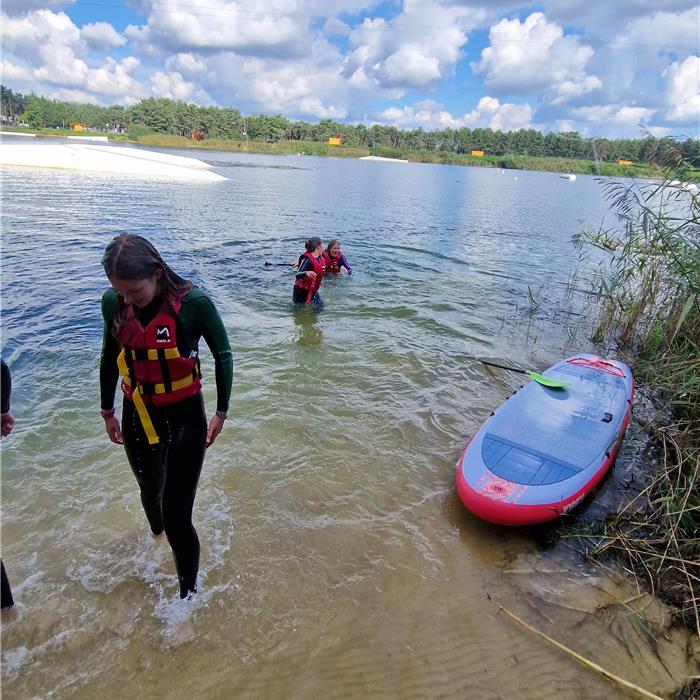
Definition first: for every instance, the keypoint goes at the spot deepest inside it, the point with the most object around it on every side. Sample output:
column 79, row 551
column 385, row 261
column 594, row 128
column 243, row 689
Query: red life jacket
column 332, row 264
column 150, row 359
column 306, row 282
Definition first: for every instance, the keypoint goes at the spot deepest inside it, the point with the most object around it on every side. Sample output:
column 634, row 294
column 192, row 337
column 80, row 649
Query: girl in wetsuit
column 153, row 321
column 309, row 274
column 334, row 260
column 7, row 423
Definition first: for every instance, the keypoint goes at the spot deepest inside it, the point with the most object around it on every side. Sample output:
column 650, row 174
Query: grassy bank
column 145, row 137
column 312, row 148
column 514, row 162
column 650, row 310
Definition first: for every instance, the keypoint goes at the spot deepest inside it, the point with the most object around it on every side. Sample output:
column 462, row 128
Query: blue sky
column 602, row 68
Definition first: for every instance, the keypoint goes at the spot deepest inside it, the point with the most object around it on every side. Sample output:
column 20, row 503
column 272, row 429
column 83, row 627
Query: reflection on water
column 336, row 558
column 306, row 319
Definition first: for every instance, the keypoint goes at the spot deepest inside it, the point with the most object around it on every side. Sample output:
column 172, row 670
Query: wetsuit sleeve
column 109, row 372
column 6, row 382
column 304, row 266
column 209, row 325
column 344, row 262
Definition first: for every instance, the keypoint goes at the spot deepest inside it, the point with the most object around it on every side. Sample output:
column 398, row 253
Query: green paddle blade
column 547, row 381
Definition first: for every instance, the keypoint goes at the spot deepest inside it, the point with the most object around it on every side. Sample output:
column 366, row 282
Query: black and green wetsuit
column 168, row 472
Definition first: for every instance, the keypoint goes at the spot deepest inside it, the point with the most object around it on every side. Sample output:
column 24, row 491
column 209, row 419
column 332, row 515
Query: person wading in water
column 153, row 321
column 309, row 274
column 334, row 260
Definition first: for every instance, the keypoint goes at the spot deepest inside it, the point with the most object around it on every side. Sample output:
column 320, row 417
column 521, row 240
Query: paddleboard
column 543, row 450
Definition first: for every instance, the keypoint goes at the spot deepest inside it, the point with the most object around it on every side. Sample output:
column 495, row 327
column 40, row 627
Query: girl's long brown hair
column 131, row 257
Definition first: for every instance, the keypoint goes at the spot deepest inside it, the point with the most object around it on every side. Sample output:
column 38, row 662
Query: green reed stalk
column 650, row 307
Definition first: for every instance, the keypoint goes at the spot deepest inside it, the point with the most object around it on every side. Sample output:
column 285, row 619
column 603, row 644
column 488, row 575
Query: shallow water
column 336, row 559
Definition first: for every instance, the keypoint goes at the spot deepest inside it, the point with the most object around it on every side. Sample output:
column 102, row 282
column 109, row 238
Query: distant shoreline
column 314, row 148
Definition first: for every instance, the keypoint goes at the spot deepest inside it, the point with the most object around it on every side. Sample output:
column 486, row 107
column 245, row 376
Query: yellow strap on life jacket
column 160, row 388
column 141, row 409
column 170, row 354
column 146, row 421
column 121, row 365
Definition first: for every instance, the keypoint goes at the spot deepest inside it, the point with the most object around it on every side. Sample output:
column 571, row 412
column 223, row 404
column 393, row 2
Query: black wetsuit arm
column 109, row 372
column 6, row 382
column 207, row 323
column 304, row 266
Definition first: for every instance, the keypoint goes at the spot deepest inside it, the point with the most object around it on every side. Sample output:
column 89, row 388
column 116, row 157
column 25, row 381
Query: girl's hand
column 215, row 425
column 7, row 422
column 345, row 271
column 114, row 430
column 295, row 264
column 311, row 274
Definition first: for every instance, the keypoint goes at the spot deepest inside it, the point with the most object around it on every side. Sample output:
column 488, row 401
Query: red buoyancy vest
column 332, row 264
column 306, row 282
column 150, row 358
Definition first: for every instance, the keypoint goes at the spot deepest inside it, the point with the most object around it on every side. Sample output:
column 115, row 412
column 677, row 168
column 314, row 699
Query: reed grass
column 649, row 308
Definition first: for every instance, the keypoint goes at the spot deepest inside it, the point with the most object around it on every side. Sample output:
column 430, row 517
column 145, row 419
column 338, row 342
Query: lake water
column 337, row 560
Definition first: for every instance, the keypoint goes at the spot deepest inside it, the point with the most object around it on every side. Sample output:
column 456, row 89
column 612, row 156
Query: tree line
column 170, row 117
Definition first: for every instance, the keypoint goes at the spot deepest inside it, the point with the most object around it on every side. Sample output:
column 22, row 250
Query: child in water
column 310, row 271
column 334, row 260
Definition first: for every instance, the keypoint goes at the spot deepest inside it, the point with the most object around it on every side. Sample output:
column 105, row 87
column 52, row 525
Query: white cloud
column 60, row 66
column 48, row 52
column 631, row 58
column 677, row 31
column 11, row 71
column 622, row 115
column 593, row 114
column 503, row 117
column 488, row 113
column 138, row 33
column 535, row 56
column 334, row 26
column 26, row 37
column 186, row 63
column 114, row 78
column 683, row 92
column 428, row 115
column 599, row 17
column 226, row 25
column 632, row 116
column 406, row 66
column 308, row 89
column 101, row 36
column 416, row 49
column 21, row 7
column 74, row 96
column 570, row 89
column 171, row 85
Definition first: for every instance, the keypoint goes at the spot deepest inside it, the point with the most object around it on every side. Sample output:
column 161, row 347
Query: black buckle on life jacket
column 148, row 388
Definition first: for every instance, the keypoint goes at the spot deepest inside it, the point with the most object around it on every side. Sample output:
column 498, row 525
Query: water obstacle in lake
column 119, row 160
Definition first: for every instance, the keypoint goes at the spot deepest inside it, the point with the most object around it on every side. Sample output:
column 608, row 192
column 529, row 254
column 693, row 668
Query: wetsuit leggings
column 300, row 295
column 6, row 599
column 167, row 474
